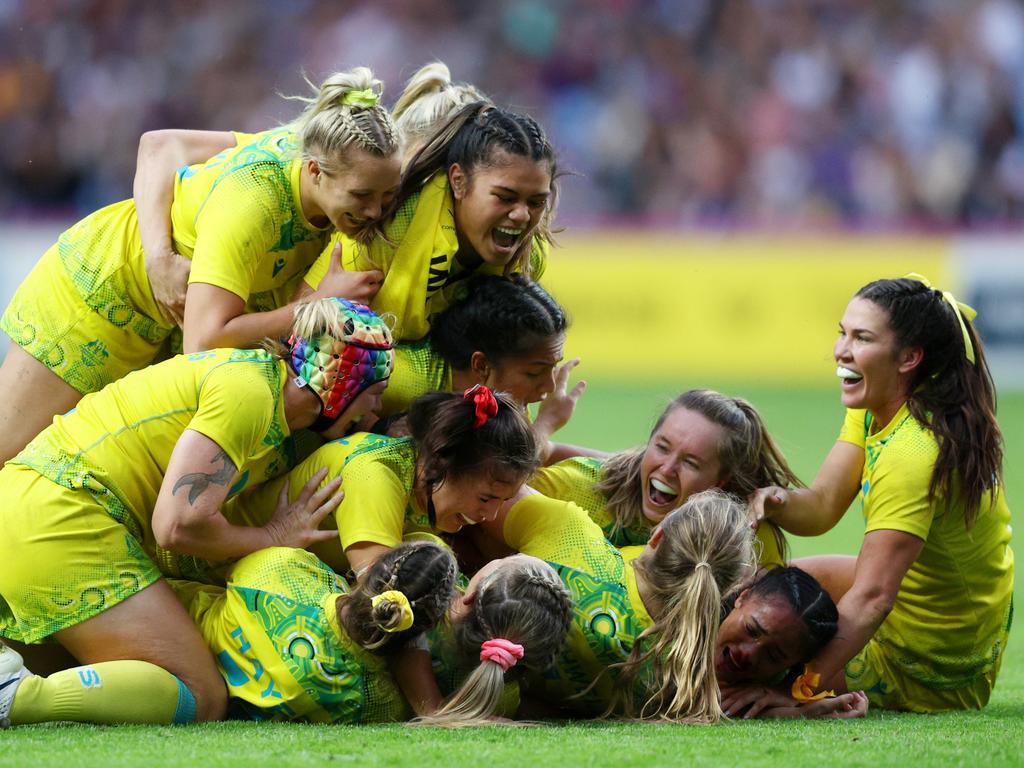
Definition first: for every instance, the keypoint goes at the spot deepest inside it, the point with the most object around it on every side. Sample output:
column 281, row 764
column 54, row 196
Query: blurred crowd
column 778, row 113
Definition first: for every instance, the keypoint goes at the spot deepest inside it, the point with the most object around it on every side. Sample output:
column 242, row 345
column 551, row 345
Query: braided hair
column 950, row 395
column 424, row 573
column 805, row 596
column 332, row 122
column 502, row 317
column 472, row 138
column 524, row 602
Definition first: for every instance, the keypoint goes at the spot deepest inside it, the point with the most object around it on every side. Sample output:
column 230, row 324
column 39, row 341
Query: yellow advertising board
column 760, row 308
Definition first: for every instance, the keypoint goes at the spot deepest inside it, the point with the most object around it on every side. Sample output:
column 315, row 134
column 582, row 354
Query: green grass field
column 610, row 416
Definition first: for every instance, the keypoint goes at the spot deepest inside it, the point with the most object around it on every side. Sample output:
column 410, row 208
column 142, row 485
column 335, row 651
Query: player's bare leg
column 32, row 396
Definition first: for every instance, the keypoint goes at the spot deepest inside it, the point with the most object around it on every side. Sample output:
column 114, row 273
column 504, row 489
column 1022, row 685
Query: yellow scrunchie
column 366, row 98
column 399, row 599
column 959, row 309
column 804, row 685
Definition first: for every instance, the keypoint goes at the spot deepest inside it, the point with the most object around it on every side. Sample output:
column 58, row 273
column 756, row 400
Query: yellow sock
column 109, row 692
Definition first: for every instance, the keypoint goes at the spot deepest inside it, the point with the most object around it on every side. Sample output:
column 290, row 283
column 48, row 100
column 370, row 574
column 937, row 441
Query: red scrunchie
column 502, row 652
column 484, row 403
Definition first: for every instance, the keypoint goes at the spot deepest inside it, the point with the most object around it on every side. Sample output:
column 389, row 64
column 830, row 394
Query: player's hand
column 168, row 278
column 763, row 503
column 559, row 404
column 845, row 706
column 297, row 524
column 750, row 700
column 360, row 286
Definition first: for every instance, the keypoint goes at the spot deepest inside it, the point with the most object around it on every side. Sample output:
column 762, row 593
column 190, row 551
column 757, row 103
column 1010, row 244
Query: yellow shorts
column 81, row 311
column 65, row 559
column 876, row 672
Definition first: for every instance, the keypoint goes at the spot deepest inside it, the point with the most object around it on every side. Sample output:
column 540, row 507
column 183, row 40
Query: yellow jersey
column 256, row 506
column 116, row 444
column 575, row 480
column 608, row 613
column 418, row 370
column 421, row 272
column 275, row 634
column 948, row 623
column 239, row 217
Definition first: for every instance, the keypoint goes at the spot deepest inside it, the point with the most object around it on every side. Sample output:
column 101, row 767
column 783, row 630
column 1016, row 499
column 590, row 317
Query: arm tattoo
column 200, row 481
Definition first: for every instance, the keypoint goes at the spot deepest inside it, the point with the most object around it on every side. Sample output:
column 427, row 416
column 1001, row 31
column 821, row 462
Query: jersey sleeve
column 235, row 410
column 896, row 491
column 286, row 571
column 853, row 430
column 373, row 509
column 238, row 224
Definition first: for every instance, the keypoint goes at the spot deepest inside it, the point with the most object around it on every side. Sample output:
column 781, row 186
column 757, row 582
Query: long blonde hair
column 705, row 550
column 525, row 603
column 344, row 112
column 429, row 100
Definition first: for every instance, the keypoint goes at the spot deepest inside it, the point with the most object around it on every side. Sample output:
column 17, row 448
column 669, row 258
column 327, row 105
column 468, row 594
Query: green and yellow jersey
column 275, row 634
column 116, row 444
column 608, row 613
column 575, row 480
column 421, row 272
column 87, row 311
column 239, row 217
column 948, row 626
column 418, row 370
column 256, row 506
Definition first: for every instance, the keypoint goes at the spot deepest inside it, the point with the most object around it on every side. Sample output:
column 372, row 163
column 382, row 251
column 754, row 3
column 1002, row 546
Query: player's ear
column 458, row 180
column 480, row 366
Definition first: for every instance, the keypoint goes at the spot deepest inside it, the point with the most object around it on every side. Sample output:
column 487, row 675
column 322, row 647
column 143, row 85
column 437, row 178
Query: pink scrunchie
column 502, row 652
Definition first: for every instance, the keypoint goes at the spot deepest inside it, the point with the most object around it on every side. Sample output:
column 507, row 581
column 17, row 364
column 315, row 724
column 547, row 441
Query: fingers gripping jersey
column 420, row 269
column 275, row 634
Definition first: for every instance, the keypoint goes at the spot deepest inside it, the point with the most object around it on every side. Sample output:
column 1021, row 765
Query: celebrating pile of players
column 268, row 454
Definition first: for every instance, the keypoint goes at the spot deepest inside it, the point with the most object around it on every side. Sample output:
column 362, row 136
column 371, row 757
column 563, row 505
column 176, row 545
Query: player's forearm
column 245, row 330
column 861, row 612
column 209, row 536
column 807, row 512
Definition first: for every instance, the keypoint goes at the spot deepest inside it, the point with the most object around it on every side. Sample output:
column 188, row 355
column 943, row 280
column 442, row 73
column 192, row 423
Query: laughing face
column 471, row 499
column 681, row 459
column 498, row 206
column 355, row 194
column 874, row 372
column 761, row 638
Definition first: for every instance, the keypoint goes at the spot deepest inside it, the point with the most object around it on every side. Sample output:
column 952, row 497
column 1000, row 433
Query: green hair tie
column 366, row 98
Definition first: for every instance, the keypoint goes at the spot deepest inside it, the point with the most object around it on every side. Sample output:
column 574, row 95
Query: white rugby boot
column 12, row 672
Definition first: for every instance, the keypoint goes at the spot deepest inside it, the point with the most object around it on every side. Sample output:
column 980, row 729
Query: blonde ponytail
column 430, row 99
column 345, row 111
column 704, row 551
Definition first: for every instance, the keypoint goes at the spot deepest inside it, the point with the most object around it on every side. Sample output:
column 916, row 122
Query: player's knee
column 210, row 696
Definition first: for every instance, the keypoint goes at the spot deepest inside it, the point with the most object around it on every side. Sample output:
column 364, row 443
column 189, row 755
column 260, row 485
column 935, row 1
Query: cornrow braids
column 344, row 112
column 425, row 574
column 473, row 138
column 523, row 602
column 500, row 316
column 807, row 598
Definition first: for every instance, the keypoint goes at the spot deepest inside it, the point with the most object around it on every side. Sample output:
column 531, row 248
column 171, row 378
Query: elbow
column 200, row 341
column 171, row 533
column 876, row 604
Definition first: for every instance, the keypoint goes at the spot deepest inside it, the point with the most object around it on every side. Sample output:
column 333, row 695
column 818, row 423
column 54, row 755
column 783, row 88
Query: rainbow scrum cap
column 338, row 367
